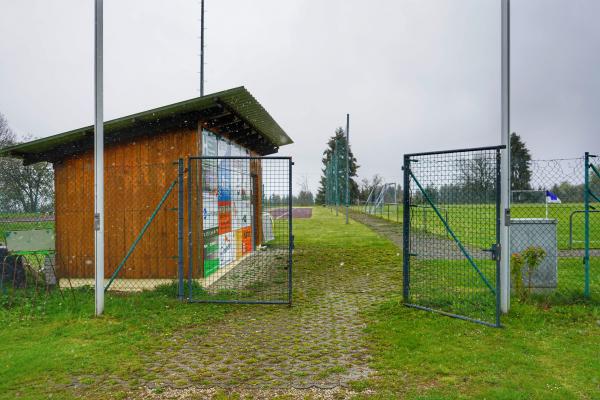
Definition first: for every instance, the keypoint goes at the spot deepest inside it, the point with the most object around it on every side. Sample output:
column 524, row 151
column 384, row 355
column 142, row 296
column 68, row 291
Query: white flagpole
column 98, row 160
column 505, row 167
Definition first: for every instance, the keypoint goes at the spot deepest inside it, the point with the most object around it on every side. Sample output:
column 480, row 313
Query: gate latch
column 495, row 251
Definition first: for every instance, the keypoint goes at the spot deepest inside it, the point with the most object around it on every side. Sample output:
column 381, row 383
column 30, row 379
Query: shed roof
column 234, row 113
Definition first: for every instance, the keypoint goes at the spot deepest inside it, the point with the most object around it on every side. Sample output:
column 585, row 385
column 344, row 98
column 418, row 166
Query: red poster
column 224, row 217
column 246, row 240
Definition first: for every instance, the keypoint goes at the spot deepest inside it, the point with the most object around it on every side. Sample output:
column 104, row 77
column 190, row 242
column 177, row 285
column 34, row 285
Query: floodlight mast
column 98, row 159
column 201, row 48
column 505, row 160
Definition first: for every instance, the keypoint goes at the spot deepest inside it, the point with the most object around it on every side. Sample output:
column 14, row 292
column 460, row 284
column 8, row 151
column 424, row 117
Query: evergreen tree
column 520, row 164
column 339, row 138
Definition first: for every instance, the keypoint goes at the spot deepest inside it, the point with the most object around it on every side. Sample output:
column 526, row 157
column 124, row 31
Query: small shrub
column 530, row 258
column 533, row 257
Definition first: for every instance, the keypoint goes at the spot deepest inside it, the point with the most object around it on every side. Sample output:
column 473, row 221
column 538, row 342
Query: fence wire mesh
column 31, row 280
column 239, row 229
column 548, row 232
column 555, row 219
column 336, row 183
column 451, row 203
column 243, row 255
column 47, row 229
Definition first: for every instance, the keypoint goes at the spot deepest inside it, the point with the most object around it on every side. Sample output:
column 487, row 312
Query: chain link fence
column 165, row 231
column 31, row 280
column 47, row 245
column 240, row 229
column 555, row 228
column 336, row 179
column 451, row 233
column 548, row 232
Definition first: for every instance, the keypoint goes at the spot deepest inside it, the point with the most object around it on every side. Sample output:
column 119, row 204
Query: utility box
column 538, row 232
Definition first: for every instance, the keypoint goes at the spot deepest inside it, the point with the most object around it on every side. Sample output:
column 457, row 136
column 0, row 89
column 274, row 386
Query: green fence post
column 406, row 231
column 586, row 202
column 180, row 226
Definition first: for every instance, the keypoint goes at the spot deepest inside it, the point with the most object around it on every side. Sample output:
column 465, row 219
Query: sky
column 415, row 75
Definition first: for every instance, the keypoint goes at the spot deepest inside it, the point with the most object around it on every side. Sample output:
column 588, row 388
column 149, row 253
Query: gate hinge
column 96, row 222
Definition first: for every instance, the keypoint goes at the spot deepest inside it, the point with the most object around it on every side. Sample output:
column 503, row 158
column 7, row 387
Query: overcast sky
column 415, row 75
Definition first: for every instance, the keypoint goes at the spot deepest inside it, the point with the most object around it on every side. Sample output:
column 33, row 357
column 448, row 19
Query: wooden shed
column 141, row 152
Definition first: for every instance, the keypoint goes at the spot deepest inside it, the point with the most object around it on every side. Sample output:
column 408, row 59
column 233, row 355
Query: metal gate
column 451, row 233
column 239, row 217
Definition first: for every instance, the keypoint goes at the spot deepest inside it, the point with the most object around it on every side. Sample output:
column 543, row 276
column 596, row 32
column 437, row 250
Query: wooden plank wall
column 137, row 174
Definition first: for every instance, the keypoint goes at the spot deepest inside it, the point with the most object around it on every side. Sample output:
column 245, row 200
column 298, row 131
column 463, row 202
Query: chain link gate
column 451, row 233
column 239, row 229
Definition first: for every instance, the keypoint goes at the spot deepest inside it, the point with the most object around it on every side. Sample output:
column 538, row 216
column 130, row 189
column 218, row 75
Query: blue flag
column 551, row 197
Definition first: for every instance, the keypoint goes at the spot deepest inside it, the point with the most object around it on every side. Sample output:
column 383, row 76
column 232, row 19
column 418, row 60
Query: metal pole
column 498, row 231
column 505, row 161
column 586, row 202
column 98, row 160
column 190, row 228
column 347, row 165
column 201, row 48
column 406, row 231
column 290, row 234
column 397, row 206
column 180, row 224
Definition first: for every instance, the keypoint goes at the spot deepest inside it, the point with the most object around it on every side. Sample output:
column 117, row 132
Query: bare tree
column 7, row 136
column 366, row 186
column 23, row 188
column 478, row 179
column 305, row 197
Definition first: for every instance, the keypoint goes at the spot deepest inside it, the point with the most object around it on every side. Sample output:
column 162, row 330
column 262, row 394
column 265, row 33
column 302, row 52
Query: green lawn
column 43, row 348
column 543, row 352
column 458, row 288
column 475, row 223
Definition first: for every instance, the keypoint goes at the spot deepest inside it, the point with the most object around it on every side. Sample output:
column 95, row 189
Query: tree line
column 23, row 188
column 475, row 181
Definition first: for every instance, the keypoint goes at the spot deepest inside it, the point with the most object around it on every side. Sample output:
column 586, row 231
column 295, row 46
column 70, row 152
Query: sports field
column 460, row 220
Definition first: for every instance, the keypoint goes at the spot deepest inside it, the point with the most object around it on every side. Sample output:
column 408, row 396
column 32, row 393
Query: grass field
column 476, row 222
column 459, row 290
column 544, row 352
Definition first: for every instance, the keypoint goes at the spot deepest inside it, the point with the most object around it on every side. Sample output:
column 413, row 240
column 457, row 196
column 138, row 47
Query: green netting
column 335, row 175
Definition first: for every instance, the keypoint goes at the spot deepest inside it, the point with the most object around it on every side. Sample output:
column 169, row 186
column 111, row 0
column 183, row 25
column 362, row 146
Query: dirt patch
column 389, row 230
column 426, row 246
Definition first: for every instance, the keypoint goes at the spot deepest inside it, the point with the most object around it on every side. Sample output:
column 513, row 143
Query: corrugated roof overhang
column 234, row 113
